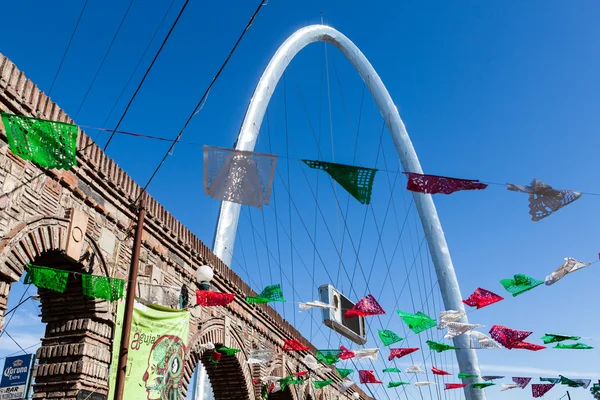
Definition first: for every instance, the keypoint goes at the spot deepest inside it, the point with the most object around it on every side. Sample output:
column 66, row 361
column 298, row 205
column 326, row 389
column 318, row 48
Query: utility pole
column 131, row 286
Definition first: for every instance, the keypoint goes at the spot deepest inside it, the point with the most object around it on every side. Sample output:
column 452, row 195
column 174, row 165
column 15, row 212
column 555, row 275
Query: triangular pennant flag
column 367, row 376
column 586, row 382
column 290, row 380
column 329, row 357
column 344, row 372
column 47, row 278
column 345, row 353
column 358, row 181
column 439, row 371
column 575, row 346
column 551, row 380
column 322, row 384
column 424, row 383
column 433, row 184
column 507, row 386
column 396, row 384
column 449, row 386
column 520, row 284
column 256, row 356
column 315, row 304
column 228, row 351
column 554, row 338
column 449, row 316
column 393, row 369
column 570, row 265
column 508, row 337
column 570, row 382
column 269, row 294
column 414, row 369
column 478, row 340
column 418, row 322
column 242, row 177
column 481, row 298
column 399, row 353
column 102, row 287
column 491, row 377
column 366, row 353
column 300, row 373
column 540, row 389
column 50, row 144
column 366, row 306
column 345, row 385
column 312, row 363
column 482, row 385
column 529, row 346
column 464, row 375
column 215, row 357
column 207, row 298
column 293, row 345
column 439, row 347
column 388, row 337
column 459, row 328
column 543, row 200
column 521, row 381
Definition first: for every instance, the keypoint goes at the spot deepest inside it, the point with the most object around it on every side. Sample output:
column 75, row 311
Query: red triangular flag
column 540, row 389
column 440, row 184
column 206, row 298
column 439, row 371
column 301, row 373
column 346, row 354
column 366, row 376
column 529, row 346
column 521, row 382
column 454, row 386
column 508, row 337
column 365, row 307
column 293, row 345
column 481, row 298
column 399, row 353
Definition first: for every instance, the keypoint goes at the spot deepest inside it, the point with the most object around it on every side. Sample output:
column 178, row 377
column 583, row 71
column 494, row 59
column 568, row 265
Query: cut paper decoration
column 344, row 372
column 388, row 337
column 300, row 373
column 439, row 347
column 215, row 357
column 290, row 380
column 439, row 371
column 570, row 265
column 478, row 340
column 482, row 385
column 424, row 383
column 508, row 386
column 521, row 381
column 358, row 181
column 575, row 346
column 529, row 346
column 459, row 328
column 164, row 295
column 433, row 184
column 396, row 384
column 399, row 353
column 554, row 338
column 102, row 287
column 543, row 200
column 367, row 376
column 328, row 356
column 206, row 346
column 520, row 284
column 450, row 386
column 367, row 306
column 345, row 385
column 47, row 278
column 243, row 177
column 228, row 351
column 586, row 382
column 256, row 356
column 551, row 380
column 482, row 298
column 315, row 304
column 366, row 353
column 464, row 375
column 449, row 316
column 418, row 322
column 312, row 363
column 508, row 337
column 50, row 144
column 293, row 345
column 491, row 377
column 540, row 389
column 393, row 369
column 207, row 298
column 414, row 369
column 270, row 293
column 322, row 384
column 570, row 382
column 346, row 354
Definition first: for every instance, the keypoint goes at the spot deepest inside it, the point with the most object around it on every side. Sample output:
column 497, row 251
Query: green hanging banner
column 388, row 337
column 574, row 346
column 462, row 375
column 570, row 382
column 50, row 144
column 228, row 351
column 551, row 380
column 392, row 370
column 328, row 356
column 439, row 347
column 47, row 278
column 344, row 372
column 418, row 322
column 554, row 338
column 270, row 293
column 482, row 385
column 396, row 384
column 289, row 380
column 357, row 181
column 322, row 384
column 520, row 284
column 102, row 287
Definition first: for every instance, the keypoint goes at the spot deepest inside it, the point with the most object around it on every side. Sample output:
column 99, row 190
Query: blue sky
column 497, row 91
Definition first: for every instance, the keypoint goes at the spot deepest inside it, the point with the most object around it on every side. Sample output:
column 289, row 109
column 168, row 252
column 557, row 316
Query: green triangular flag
column 396, row 384
column 228, row 351
column 482, row 385
column 50, row 144
column 358, row 181
column 289, row 380
column 520, row 284
column 418, row 322
column 47, row 278
column 102, row 287
column 551, row 380
column 462, row 375
column 329, row 356
column 270, row 293
column 392, row 370
column 570, row 383
column 322, row 384
column 264, row 392
column 553, row 338
column 344, row 372
column 439, row 347
column 388, row 337
column 575, row 346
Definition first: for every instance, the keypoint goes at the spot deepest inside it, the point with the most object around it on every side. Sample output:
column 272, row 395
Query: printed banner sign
column 157, row 350
column 15, row 377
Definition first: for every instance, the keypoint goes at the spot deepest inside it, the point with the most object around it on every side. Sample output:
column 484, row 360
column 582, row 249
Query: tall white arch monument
column 229, row 213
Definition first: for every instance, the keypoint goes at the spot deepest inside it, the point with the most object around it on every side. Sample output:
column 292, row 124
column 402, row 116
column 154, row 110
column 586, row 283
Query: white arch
column 229, row 212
